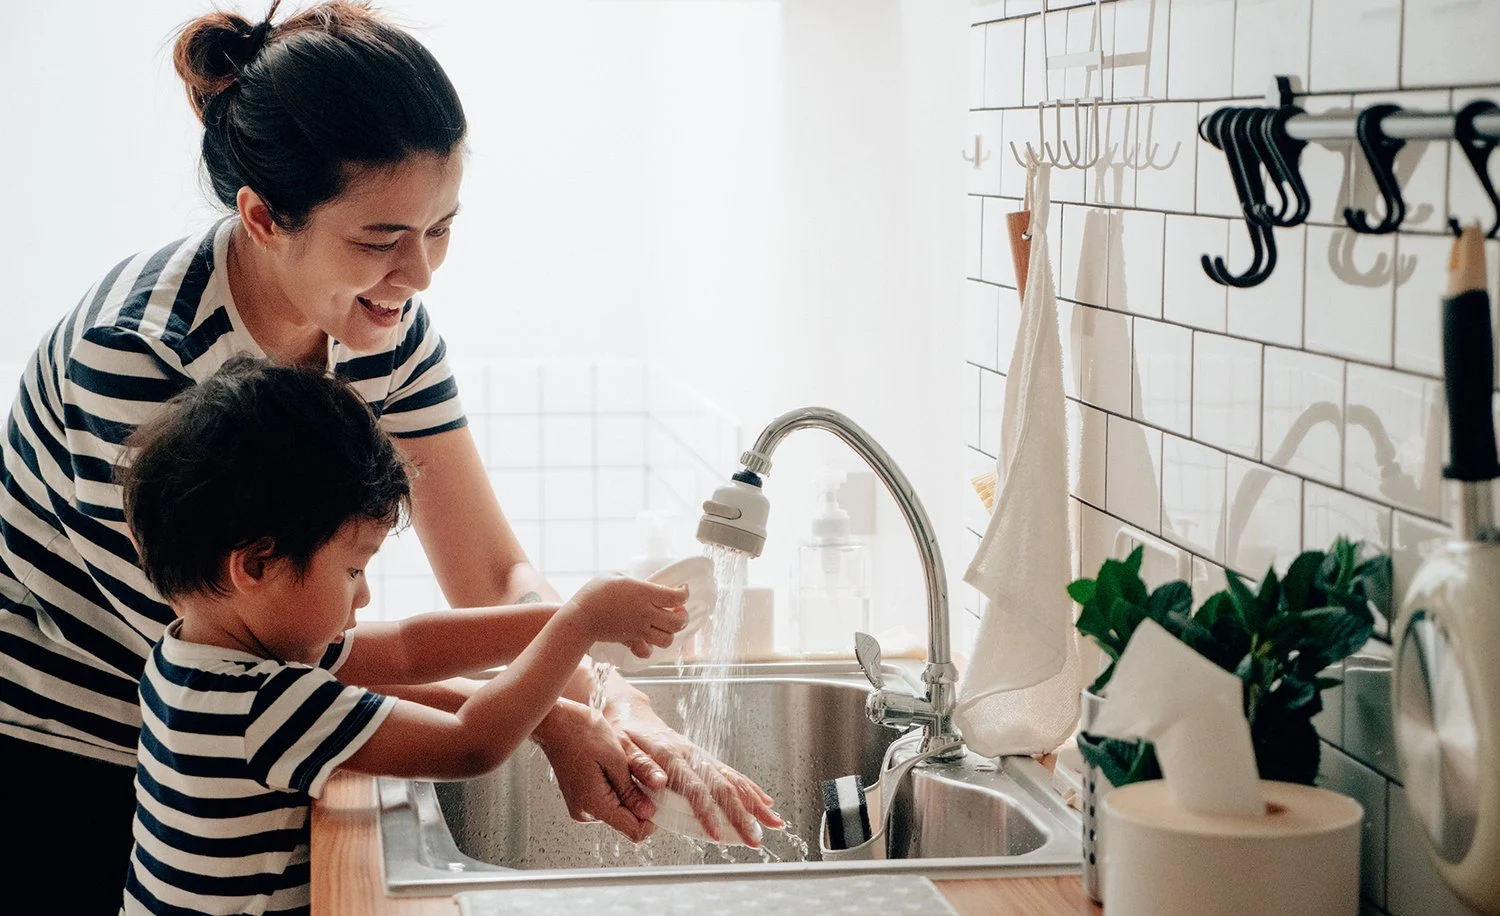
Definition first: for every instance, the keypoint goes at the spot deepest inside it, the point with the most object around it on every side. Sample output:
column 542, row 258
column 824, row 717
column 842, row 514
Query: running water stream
column 708, row 713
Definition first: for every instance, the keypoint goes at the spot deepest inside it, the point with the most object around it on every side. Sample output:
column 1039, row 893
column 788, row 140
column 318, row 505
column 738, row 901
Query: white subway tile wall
column 1236, row 427
column 574, row 451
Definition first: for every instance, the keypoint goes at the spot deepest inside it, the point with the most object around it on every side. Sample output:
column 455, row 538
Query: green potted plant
column 1277, row 638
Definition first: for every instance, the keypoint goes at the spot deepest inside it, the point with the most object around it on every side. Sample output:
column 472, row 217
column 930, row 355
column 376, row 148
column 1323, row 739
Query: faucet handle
column 867, row 650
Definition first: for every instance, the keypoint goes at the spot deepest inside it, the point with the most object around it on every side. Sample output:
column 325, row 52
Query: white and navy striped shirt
column 77, row 615
column 233, row 750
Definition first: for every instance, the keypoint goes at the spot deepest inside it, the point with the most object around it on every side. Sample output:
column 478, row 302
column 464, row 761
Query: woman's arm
column 441, row 644
column 473, row 551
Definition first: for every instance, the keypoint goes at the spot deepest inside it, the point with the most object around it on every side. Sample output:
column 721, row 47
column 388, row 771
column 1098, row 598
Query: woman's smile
column 386, row 316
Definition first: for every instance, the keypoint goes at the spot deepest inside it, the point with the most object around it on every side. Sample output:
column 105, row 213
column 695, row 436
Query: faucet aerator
column 735, row 516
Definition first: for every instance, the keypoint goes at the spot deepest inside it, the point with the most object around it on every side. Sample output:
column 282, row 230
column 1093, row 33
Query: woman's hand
column 693, row 772
column 594, row 767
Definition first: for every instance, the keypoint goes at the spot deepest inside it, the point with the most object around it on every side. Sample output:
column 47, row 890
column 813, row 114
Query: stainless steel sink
column 794, row 725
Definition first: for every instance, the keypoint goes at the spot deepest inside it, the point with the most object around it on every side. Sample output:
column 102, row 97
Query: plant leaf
column 1299, row 591
column 1270, row 593
column 1286, row 747
column 1172, row 597
column 1121, row 762
column 1093, row 622
column 1102, row 680
column 1124, row 617
column 1332, row 634
column 1245, row 602
column 1231, row 641
column 1133, row 562
column 1372, row 578
column 1082, row 590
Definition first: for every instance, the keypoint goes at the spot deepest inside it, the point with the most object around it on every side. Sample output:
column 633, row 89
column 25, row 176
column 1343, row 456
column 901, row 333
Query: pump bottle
column 830, row 579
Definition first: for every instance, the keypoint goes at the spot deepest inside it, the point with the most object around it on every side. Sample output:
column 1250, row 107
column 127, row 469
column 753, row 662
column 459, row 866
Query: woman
column 337, row 141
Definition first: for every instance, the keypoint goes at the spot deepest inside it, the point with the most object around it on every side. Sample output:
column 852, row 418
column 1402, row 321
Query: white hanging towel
column 1019, row 694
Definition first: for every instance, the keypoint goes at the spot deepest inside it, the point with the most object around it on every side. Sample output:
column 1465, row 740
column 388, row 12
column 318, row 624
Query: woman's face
column 363, row 254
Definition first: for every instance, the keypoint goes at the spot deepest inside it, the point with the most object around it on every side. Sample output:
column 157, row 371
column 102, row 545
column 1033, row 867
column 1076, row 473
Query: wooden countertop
column 346, row 870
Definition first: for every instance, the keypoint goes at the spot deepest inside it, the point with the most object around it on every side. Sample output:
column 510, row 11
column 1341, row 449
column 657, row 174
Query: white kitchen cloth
column 1019, row 694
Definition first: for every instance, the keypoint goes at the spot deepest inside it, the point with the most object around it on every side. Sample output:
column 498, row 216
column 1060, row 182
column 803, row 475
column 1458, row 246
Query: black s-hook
column 1282, row 156
column 1232, row 130
column 1477, row 148
column 1380, row 152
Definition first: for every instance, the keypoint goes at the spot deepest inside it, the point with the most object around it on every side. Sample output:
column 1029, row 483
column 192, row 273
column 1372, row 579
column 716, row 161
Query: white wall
column 763, row 198
column 1240, row 426
column 101, row 156
column 821, row 269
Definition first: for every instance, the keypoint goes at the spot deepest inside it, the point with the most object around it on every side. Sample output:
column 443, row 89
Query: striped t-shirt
column 233, row 750
column 77, row 615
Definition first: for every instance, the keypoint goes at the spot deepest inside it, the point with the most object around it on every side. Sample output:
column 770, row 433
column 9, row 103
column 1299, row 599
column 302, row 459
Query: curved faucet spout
column 935, row 711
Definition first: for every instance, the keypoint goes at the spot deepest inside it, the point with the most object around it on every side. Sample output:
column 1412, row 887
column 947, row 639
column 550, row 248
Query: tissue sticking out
column 1165, row 692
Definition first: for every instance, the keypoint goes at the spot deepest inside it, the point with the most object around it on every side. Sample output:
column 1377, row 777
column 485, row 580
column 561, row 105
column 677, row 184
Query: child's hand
column 636, row 614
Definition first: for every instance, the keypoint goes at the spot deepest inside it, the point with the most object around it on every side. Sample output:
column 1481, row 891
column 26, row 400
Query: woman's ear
column 250, row 568
column 256, row 218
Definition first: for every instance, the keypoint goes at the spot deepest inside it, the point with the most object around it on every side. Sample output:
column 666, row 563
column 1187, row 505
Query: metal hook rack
column 1086, row 148
column 1269, row 141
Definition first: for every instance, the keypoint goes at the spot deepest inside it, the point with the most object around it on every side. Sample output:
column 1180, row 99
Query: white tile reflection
column 1226, row 393
column 1086, row 447
column 1164, row 367
column 1105, row 358
column 1192, row 496
column 1189, row 296
column 1328, row 514
column 1350, row 281
column 1166, row 156
column 1133, row 474
column 1355, row 44
column 1201, row 55
column 1004, row 45
column 1393, row 449
column 1271, row 38
column 1304, row 414
column 1264, row 526
column 1138, row 48
column 1135, row 262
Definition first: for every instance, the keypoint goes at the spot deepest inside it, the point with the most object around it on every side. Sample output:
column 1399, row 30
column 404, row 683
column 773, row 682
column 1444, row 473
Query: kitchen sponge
column 845, row 811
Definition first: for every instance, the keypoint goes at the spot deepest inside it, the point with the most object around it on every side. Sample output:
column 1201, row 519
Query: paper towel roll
column 1299, row 859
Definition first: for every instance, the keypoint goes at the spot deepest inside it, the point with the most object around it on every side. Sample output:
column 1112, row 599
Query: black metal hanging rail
column 1260, row 143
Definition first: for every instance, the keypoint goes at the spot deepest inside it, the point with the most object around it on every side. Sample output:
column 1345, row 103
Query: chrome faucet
column 735, row 517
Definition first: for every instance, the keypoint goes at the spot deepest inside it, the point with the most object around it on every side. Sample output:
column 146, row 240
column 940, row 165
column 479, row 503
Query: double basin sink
column 794, row 725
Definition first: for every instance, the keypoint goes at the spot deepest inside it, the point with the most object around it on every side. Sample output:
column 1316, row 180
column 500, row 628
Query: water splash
column 707, row 713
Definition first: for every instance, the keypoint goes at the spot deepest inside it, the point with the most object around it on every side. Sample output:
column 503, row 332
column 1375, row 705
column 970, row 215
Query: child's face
column 306, row 615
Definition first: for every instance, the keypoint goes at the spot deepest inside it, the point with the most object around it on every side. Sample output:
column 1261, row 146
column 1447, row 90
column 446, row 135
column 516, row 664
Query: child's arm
column 417, row 741
column 441, row 644
column 447, row 695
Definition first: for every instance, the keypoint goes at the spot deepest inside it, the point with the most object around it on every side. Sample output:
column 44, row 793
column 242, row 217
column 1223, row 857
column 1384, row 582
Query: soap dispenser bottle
column 830, row 579
column 656, row 544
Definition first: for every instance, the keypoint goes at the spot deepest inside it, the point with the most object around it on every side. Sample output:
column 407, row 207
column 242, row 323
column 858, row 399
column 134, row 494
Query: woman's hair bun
column 211, row 50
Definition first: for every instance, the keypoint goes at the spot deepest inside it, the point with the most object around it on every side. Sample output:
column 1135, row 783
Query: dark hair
column 257, row 453
column 287, row 107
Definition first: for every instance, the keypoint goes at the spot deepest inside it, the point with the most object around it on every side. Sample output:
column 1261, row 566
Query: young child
column 256, row 500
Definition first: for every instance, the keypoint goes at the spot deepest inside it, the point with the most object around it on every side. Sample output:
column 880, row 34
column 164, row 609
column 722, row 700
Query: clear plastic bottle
column 830, row 579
